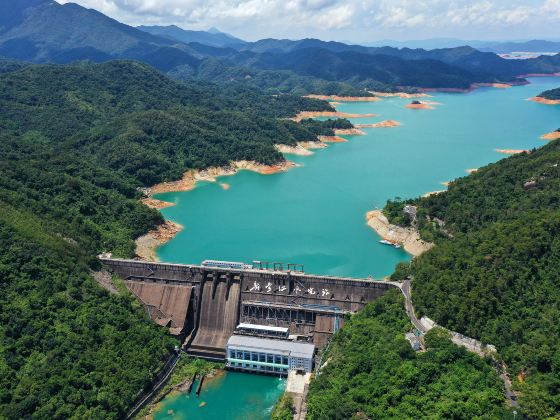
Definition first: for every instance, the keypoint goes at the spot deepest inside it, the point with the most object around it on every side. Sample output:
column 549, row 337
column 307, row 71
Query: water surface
column 315, row 214
column 232, row 396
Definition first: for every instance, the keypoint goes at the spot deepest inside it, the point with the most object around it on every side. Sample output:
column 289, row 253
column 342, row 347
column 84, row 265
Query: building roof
column 292, row 348
column 262, row 327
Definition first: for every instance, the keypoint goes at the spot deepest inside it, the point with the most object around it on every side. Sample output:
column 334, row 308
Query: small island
column 416, row 104
column 548, row 97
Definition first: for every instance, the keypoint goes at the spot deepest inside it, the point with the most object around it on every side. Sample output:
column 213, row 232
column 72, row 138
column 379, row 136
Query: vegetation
column 283, row 410
column 77, row 142
column 495, row 272
column 552, row 94
column 372, row 372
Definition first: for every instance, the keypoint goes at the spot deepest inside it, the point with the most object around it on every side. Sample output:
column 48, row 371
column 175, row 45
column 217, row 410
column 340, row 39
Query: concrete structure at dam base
column 204, row 305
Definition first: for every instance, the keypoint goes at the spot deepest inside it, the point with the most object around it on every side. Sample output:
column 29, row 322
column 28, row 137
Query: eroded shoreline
column 409, row 238
column 541, row 100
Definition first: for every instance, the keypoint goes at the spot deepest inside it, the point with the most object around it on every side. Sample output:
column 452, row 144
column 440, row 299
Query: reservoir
column 315, row 214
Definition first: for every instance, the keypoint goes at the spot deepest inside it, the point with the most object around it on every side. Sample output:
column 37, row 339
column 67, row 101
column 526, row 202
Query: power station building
column 255, row 354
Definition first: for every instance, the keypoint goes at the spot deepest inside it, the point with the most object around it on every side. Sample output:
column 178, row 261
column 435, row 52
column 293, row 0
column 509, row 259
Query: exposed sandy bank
column 156, row 204
column 190, row 178
column 349, row 132
column 332, row 139
column 329, row 114
column 382, row 124
column 554, row 135
column 293, row 150
column 146, row 245
column 429, row 194
column 312, row 144
column 511, row 151
column 421, row 105
column 401, row 95
column 545, row 101
column 408, row 238
column 344, row 98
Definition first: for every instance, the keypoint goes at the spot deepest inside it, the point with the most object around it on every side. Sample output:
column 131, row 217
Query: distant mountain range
column 45, row 31
column 213, row 37
column 498, row 47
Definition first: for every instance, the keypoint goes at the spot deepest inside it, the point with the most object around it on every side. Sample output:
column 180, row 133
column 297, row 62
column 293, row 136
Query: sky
column 347, row 20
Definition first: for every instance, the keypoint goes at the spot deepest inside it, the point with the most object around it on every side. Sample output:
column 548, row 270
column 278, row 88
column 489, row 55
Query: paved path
column 405, row 288
column 511, row 398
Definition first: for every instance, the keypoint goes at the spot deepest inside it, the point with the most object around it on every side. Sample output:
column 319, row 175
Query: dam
column 205, row 304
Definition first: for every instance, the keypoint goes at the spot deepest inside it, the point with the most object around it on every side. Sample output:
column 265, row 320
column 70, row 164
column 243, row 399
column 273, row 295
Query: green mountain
column 494, row 274
column 43, row 30
column 77, row 142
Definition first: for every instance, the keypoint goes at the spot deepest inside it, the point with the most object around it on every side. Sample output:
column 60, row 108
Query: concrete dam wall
column 205, row 304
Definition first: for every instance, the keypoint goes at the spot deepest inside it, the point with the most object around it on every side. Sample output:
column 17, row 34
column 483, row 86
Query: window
column 270, row 358
column 284, row 360
column 278, row 359
column 262, row 357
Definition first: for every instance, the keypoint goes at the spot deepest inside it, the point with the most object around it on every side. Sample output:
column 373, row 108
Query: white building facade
column 265, row 355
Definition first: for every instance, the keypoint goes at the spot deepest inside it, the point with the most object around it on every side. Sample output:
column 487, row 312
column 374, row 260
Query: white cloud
column 336, row 18
column 260, row 18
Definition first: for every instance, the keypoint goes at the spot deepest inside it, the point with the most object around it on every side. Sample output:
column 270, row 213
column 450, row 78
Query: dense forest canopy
column 552, row 94
column 77, row 142
column 495, row 272
column 372, row 372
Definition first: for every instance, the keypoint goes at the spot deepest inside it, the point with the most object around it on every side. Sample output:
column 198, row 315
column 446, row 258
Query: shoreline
column 409, row 238
column 337, row 98
column 553, row 135
column 400, row 95
column 304, row 115
column 541, row 100
column 512, row 151
column 146, row 245
column 381, row 124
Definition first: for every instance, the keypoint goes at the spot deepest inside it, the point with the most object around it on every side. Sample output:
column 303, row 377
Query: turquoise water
column 233, row 396
column 315, row 214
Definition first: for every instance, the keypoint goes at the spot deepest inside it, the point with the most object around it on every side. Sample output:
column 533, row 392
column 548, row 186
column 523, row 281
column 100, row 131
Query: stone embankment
column 408, row 238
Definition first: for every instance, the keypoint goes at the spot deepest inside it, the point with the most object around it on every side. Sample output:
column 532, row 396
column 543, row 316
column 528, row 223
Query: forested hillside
column 495, row 272
column 77, row 142
column 372, row 372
